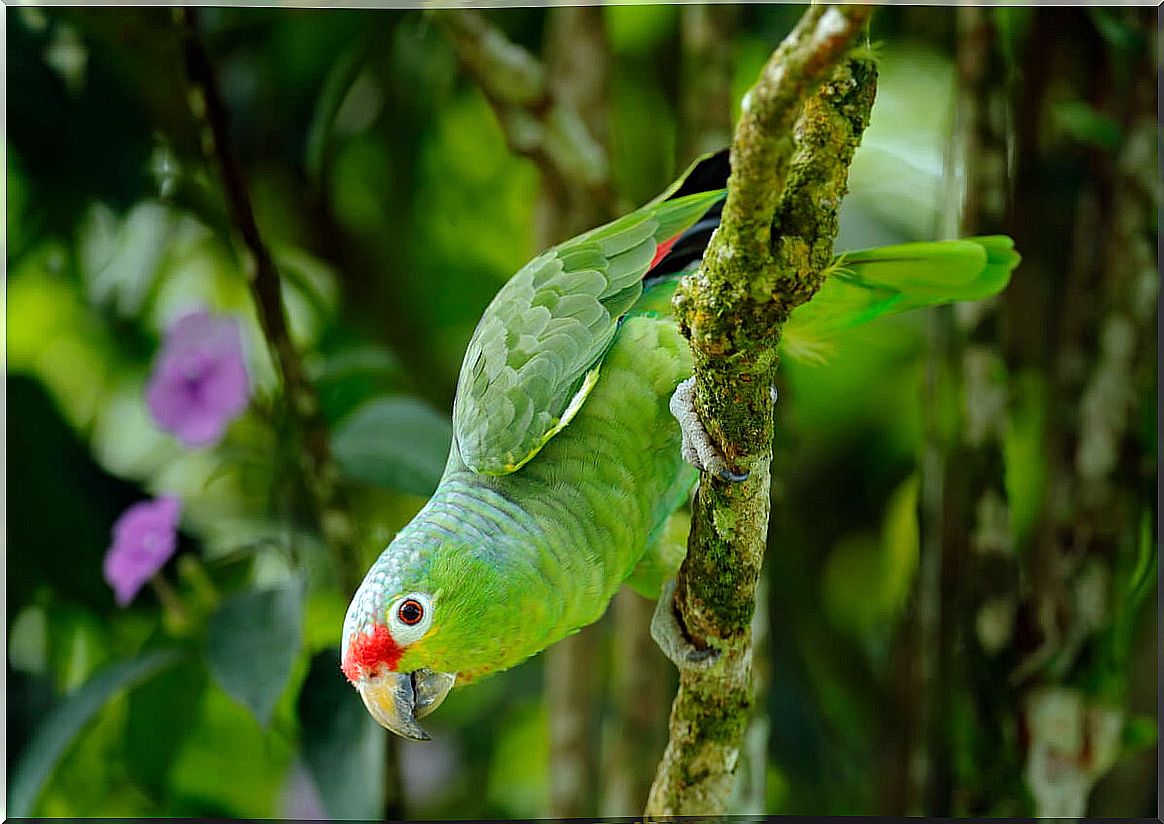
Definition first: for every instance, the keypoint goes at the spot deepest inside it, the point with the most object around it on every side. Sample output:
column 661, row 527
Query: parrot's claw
column 698, row 449
column 671, row 638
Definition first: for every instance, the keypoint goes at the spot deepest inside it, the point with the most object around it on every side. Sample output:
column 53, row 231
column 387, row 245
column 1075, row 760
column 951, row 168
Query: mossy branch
column 800, row 125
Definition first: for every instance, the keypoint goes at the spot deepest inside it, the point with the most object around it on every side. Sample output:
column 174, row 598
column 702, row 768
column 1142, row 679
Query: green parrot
column 575, row 441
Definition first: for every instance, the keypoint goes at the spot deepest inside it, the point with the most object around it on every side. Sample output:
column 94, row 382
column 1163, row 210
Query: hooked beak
column 398, row 699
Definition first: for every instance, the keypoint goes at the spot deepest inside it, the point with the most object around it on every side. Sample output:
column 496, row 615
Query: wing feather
column 537, row 351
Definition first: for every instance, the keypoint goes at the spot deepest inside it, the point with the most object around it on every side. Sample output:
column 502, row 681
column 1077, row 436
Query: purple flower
column 200, row 382
column 144, row 538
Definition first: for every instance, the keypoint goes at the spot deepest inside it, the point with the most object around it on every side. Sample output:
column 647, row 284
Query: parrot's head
column 415, row 628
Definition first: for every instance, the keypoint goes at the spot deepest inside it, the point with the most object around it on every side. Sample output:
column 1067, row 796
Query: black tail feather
column 710, row 173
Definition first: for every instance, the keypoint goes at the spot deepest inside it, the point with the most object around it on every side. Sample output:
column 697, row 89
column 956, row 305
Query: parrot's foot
column 671, row 638
column 698, row 449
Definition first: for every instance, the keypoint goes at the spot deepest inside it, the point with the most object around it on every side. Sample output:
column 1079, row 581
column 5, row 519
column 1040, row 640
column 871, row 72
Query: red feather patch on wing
column 368, row 651
column 662, row 249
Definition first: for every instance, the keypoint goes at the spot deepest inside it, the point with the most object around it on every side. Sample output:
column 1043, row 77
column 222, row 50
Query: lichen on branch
column 799, row 127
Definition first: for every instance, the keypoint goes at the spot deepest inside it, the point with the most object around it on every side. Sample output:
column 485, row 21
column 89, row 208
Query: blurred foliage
column 395, row 211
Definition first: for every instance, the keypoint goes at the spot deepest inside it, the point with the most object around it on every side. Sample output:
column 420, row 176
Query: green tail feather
column 869, row 284
column 872, row 283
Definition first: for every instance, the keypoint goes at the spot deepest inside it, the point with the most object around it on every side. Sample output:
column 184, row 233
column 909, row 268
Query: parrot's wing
column 868, row 284
column 537, row 351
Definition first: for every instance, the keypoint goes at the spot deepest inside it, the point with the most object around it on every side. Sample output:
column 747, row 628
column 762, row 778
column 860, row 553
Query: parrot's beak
column 398, row 699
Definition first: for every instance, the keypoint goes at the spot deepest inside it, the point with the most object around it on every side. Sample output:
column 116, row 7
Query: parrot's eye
column 410, row 612
column 410, row 618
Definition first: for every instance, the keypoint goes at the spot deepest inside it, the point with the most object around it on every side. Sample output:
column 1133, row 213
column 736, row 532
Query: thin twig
column 732, row 310
column 319, row 472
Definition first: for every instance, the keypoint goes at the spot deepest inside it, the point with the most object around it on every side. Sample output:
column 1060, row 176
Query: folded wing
column 538, row 349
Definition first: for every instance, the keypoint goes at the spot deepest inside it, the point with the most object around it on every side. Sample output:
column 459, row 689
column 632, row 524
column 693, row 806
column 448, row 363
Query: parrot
column 575, row 442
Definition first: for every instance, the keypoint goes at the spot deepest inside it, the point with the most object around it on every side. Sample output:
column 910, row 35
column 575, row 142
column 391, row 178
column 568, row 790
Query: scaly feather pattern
column 537, row 351
column 515, row 562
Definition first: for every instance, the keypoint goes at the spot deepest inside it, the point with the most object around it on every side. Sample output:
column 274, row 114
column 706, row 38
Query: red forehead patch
column 369, row 650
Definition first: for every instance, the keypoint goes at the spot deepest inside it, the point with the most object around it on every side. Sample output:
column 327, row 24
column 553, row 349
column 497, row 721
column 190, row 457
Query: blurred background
column 959, row 606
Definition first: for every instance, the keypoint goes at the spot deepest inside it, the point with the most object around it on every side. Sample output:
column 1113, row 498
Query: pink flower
column 144, row 538
column 200, row 382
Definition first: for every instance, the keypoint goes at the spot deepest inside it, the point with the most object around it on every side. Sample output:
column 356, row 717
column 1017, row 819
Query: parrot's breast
column 516, row 562
column 600, row 491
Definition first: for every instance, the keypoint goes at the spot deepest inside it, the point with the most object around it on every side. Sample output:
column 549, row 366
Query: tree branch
column 706, row 32
column 767, row 257
column 537, row 123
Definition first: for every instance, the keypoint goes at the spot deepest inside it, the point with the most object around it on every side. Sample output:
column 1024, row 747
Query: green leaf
column 349, row 378
column 230, row 535
column 252, row 643
column 901, row 543
column 1140, row 733
column 1144, row 575
column 398, row 442
column 1115, row 30
column 1026, row 467
column 866, row 582
column 337, row 87
column 360, row 360
column 53, row 335
column 68, row 718
column 1080, row 122
column 342, row 745
column 229, row 767
column 162, row 714
column 851, row 584
column 121, row 257
column 310, row 277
